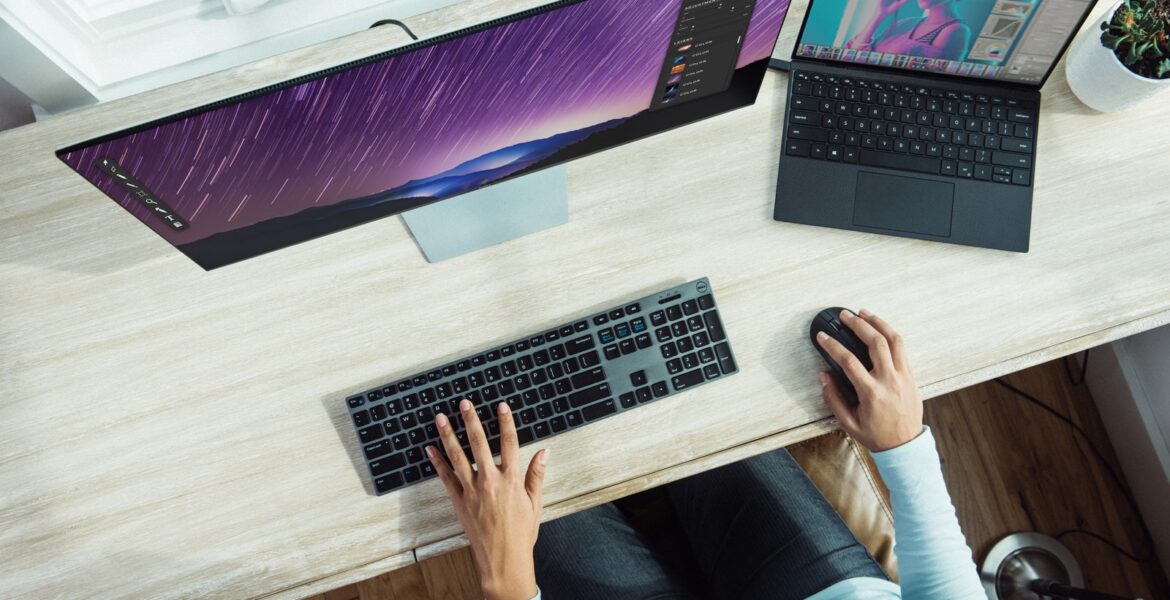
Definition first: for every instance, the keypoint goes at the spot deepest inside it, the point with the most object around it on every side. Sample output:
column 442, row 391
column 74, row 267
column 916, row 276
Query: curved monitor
column 372, row 138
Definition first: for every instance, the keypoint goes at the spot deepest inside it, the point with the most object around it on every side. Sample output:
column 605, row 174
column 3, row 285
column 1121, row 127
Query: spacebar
column 899, row 161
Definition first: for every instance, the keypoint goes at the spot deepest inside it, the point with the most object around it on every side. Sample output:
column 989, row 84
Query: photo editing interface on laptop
column 253, row 174
column 1007, row 40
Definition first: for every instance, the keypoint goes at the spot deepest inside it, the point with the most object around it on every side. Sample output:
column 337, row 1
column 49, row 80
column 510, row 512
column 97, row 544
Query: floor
column 1009, row 465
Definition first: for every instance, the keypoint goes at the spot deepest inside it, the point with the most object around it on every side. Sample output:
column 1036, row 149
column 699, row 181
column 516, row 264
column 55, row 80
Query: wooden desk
column 166, row 432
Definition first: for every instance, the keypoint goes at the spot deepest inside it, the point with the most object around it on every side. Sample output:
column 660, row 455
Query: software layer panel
column 704, row 49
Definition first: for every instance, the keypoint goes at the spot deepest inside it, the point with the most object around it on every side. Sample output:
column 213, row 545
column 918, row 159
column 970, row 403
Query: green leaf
column 1110, row 40
column 1163, row 68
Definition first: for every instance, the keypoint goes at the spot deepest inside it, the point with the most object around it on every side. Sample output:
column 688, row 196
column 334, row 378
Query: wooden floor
column 1009, row 466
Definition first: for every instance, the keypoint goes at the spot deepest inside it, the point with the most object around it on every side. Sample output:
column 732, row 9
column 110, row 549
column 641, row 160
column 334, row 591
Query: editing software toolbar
column 703, row 51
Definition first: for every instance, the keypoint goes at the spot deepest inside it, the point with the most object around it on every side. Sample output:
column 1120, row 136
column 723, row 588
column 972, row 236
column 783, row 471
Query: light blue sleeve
column 933, row 558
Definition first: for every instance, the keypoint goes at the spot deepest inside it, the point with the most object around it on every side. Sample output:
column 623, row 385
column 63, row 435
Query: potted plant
column 1131, row 60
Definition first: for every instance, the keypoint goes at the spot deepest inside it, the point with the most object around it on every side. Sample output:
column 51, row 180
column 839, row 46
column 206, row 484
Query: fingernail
column 543, row 457
column 824, row 379
column 822, row 336
column 430, row 451
column 845, row 314
column 865, row 313
column 441, row 420
column 503, row 409
column 465, row 405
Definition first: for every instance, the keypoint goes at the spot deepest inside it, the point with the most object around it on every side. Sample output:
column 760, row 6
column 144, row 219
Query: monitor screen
column 1007, row 40
column 373, row 138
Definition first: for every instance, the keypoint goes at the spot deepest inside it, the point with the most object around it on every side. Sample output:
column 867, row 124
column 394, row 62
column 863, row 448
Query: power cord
column 398, row 23
column 1147, row 540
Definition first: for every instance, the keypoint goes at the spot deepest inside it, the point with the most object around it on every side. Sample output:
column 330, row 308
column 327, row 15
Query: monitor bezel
column 948, row 76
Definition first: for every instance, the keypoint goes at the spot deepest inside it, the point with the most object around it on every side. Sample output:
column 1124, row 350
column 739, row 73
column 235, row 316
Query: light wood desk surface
column 166, row 432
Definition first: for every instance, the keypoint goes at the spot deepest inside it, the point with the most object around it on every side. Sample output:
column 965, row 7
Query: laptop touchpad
column 903, row 204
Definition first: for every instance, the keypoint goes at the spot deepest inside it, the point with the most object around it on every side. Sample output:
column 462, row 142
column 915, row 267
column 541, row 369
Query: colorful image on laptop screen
column 1011, row 40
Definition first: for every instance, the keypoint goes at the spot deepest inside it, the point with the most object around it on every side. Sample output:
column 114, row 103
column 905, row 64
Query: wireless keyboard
column 554, row 380
column 922, row 129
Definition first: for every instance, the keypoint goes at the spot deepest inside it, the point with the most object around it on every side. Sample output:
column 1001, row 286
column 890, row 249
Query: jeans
column 756, row 529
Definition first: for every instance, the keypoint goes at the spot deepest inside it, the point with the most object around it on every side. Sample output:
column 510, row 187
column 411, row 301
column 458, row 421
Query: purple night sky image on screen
column 426, row 124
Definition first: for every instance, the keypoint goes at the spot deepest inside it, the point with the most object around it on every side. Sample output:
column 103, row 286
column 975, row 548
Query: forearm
column 933, row 557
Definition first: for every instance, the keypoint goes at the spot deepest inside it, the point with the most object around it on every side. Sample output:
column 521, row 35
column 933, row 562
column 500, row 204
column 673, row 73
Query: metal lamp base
column 1021, row 558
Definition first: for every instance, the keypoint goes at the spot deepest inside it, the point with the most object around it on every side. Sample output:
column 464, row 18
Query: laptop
column 919, row 118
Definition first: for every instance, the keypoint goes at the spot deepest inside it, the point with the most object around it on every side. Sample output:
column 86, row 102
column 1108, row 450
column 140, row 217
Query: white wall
column 15, row 107
column 1130, row 381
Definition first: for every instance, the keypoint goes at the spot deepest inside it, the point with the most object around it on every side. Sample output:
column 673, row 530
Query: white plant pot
column 1100, row 80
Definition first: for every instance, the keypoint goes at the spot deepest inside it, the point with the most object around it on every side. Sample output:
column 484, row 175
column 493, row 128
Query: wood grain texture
column 1012, row 467
column 166, row 432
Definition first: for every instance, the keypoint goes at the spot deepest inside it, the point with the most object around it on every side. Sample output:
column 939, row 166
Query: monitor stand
column 492, row 215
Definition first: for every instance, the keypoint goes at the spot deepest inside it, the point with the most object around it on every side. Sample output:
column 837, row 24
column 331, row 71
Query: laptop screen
column 1006, row 40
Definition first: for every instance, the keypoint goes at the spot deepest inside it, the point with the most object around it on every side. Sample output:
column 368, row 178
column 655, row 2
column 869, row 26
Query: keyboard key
column 1010, row 159
column 638, row 378
column 633, row 309
column 558, row 424
column 797, row 148
column 643, row 394
column 579, row 345
column 379, row 448
column 589, row 359
column 525, row 435
column 599, row 410
column 674, row 366
column 373, row 432
column 1022, row 177
column 903, row 163
column 612, row 352
column 622, row 330
column 804, row 117
column 574, row 419
column 589, row 395
column 714, row 326
column 711, row 371
column 686, row 380
column 361, row 418
column 658, row 318
column 726, row 362
column 588, row 378
column 627, row 347
column 804, row 132
column 387, row 464
column 627, row 400
column 643, row 341
column 659, row 389
column 1020, row 115
column 388, row 482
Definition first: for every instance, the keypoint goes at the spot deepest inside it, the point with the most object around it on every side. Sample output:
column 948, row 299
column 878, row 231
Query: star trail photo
column 275, row 169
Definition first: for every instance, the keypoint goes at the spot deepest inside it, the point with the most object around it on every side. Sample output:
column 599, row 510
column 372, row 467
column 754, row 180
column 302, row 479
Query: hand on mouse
column 498, row 506
column 889, row 411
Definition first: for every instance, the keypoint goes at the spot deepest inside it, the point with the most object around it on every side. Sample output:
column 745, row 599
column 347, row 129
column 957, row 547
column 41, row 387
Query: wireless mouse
column 829, row 321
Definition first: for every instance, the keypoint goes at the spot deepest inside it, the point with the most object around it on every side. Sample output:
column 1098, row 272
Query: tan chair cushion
column 845, row 473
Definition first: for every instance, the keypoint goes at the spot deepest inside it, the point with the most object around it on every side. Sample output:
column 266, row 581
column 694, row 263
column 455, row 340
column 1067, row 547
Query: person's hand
column 889, row 411
column 498, row 506
column 889, row 7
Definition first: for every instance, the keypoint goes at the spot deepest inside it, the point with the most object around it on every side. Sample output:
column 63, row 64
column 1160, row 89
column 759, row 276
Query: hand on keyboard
column 889, row 411
column 498, row 505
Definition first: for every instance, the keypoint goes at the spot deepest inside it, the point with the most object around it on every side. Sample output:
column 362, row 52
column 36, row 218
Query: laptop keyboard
column 931, row 130
column 554, row 380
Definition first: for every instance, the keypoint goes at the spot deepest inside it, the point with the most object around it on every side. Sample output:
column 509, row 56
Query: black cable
column 1084, row 369
column 1103, row 540
column 400, row 24
column 1147, row 540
